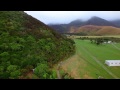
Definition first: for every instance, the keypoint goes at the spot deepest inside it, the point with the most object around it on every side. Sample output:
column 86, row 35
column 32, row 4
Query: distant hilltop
column 93, row 26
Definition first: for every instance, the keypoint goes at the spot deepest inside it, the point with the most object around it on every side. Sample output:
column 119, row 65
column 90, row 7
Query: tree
column 4, row 56
column 41, row 70
column 1, row 71
column 12, row 68
column 15, row 74
column 54, row 74
column 99, row 41
column 14, row 71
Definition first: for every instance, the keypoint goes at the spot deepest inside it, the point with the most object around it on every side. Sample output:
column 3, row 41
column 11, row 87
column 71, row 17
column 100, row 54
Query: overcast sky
column 67, row 16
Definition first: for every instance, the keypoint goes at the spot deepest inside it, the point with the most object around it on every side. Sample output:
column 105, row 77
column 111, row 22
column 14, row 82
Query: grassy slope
column 118, row 45
column 96, row 30
column 109, row 30
column 85, row 67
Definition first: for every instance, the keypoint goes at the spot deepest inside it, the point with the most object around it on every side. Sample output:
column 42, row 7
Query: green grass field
column 88, row 62
column 118, row 45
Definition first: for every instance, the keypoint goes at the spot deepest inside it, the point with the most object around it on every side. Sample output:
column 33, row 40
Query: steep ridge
column 26, row 43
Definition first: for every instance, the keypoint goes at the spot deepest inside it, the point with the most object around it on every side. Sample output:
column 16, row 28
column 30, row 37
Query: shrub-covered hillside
column 26, row 43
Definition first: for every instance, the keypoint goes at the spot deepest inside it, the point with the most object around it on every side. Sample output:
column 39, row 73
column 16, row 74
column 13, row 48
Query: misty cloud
column 67, row 16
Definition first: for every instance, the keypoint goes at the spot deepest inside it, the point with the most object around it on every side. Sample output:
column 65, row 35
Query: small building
column 109, row 41
column 112, row 62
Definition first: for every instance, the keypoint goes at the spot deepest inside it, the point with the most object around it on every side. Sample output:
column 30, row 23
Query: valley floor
column 88, row 61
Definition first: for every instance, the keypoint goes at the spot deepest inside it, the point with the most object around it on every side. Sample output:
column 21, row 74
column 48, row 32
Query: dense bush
column 26, row 42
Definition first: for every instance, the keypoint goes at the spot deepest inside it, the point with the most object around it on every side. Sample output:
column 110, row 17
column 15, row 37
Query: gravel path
column 58, row 74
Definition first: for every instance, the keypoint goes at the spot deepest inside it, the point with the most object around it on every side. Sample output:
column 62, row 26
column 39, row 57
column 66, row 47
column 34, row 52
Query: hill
column 76, row 23
column 87, row 25
column 108, row 30
column 60, row 28
column 86, row 30
column 26, row 43
column 99, row 22
column 116, row 22
column 95, row 30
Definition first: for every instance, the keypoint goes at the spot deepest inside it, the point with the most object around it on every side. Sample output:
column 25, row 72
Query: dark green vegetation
column 65, row 75
column 26, row 44
column 101, row 40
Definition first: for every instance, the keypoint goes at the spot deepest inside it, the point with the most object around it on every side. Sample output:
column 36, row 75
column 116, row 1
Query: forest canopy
column 26, row 43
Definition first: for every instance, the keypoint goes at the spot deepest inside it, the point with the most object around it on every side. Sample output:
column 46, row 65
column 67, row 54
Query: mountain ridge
column 96, row 21
column 99, row 22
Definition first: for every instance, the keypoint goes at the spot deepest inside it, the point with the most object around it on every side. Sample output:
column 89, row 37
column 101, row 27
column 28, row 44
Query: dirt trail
column 58, row 74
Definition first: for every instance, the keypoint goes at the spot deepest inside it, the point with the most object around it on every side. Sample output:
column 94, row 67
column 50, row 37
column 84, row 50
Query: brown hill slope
column 108, row 30
column 96, row 30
